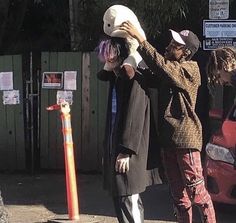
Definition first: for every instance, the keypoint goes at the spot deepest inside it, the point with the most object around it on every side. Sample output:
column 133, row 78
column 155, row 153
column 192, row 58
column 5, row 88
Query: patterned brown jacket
column 178, row 83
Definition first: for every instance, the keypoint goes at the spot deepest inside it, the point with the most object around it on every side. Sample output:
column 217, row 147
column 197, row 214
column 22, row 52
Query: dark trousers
column 129, row 209
column 185, row 176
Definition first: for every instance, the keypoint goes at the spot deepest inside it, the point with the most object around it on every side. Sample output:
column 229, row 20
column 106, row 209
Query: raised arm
column 179, row 74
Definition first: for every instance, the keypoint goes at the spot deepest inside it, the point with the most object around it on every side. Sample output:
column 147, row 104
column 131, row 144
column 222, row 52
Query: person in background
column 129, row 158
column 221, row 70
column 221, row 67
column 179, row 127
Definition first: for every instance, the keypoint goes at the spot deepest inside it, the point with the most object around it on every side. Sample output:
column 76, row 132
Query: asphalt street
column 41, row 198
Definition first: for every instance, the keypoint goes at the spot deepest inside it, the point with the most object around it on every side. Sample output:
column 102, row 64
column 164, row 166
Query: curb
column 82, row 219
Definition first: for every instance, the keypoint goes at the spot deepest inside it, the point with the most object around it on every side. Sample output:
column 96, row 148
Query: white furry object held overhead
column 113, row 18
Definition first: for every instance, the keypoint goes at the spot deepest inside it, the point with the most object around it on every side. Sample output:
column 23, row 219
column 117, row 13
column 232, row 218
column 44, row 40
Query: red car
column 220, row 163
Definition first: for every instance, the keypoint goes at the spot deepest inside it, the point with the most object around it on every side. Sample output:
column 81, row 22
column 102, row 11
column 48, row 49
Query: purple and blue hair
column 112, row 49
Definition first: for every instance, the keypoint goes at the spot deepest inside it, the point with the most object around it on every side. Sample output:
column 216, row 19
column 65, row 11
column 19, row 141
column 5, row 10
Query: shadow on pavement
column 28, row 197
column 46, row 193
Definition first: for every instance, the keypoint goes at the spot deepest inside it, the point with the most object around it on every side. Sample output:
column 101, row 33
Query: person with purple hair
column 130, row 154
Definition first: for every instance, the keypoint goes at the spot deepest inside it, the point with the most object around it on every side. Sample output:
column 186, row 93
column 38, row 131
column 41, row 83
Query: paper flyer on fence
column 6, row 80
column 11, row 97
column 64, row 96
column 70, row 80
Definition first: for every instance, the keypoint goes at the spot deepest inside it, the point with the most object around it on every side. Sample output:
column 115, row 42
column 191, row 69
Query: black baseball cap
column 187, row 38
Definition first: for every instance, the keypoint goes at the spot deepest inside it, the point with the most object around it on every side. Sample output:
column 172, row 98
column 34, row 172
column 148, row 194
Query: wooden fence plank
column 102, row 109
column 19, row 114
column 44, row 123
column 3, row 127
column 59, row 149
column 93, row 113
column 86, row 153
column 10, row 118
column 73, row 63
column 12, row 146
column 8, row 114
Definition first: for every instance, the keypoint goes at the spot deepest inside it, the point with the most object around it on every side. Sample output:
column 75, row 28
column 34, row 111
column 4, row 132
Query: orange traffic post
column 71, row 183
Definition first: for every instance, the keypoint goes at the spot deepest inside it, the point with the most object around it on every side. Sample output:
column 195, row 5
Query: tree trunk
column 4, row 6
column 74, row 31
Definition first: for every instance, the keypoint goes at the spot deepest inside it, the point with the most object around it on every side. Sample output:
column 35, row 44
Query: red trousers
column 185, row 176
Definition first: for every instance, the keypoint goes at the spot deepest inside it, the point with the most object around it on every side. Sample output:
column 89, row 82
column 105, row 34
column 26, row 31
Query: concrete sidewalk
column 42, row 198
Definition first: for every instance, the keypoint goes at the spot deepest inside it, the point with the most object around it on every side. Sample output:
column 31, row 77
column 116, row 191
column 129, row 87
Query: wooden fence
column 12, row 137
column 88, row 113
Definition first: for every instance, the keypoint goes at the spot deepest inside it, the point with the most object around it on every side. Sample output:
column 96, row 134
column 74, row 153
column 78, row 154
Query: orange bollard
column 71, row 185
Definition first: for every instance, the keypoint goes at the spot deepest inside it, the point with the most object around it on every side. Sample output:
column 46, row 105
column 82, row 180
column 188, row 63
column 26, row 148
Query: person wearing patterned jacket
column 179, row 127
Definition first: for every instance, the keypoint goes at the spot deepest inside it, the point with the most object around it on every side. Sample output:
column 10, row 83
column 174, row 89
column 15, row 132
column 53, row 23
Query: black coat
column 131, row 133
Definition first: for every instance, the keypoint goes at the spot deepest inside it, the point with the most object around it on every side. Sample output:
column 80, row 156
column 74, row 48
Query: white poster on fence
column 70, row 80
column 11, row 97
column 64, row 96
column 6, row 81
